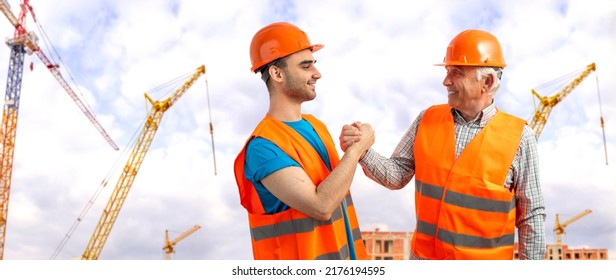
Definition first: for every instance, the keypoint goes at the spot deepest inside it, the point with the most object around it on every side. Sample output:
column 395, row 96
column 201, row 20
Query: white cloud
column 377, row 67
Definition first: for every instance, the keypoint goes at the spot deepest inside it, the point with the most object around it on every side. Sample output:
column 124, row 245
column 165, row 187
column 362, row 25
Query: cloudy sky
column 377, row 67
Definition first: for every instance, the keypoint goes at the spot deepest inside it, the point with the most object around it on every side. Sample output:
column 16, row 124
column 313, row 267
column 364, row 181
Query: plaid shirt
column 397, row 171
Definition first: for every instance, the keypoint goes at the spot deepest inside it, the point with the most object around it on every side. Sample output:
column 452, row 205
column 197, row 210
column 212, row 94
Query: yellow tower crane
column 111, row 211
column 168, row 249
column 547, row 103
column 559, row 229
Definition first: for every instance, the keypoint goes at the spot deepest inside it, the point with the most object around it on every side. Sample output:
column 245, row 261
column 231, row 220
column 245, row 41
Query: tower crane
column 127, row 177
column 24, row 42
column 547, row 103
column 169, row 244
column 559, row 229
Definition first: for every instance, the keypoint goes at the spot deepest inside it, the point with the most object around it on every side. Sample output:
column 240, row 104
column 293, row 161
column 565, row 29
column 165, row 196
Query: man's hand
column 358, row 136
column 366, row 139
column 349, row 134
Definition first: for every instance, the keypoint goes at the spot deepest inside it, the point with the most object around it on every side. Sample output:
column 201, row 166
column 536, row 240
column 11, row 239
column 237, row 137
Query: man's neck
column 285, row 112
column 472, row 114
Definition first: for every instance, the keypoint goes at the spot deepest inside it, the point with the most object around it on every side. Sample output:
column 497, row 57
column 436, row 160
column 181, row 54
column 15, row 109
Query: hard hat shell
column 278, row 40
column 474, row 47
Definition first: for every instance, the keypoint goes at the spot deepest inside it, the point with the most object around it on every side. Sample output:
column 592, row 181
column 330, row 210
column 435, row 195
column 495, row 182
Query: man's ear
column 275, row 73
column 489, row 82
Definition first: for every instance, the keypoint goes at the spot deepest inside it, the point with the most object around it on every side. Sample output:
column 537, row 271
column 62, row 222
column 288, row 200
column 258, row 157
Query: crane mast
column 547, row 103
column 559, row 229
column 127, row 177
column 23, row 42
column 9, row 115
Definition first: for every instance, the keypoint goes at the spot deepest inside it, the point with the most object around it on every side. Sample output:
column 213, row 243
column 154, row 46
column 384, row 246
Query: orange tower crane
column 129, row 173
column 168, row 249
column 24, row 42
column 559, row 229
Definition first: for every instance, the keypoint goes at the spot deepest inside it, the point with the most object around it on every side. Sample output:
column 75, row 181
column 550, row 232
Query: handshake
column 356, row 136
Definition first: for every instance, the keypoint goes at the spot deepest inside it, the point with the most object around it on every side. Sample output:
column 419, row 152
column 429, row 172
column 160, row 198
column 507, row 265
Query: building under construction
column 396, row 245
column 387, row 245
column 563, row 252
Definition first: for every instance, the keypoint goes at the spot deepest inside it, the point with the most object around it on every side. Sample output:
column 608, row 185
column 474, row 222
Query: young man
column 291, row 180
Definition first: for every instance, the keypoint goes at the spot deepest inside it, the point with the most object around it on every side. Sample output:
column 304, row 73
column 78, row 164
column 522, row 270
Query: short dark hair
column 280, row 62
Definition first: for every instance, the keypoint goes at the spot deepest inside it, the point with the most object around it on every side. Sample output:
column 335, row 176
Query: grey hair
column 490, row 71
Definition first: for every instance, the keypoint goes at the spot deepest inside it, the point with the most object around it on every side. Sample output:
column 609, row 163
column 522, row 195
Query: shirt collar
column 482, row 119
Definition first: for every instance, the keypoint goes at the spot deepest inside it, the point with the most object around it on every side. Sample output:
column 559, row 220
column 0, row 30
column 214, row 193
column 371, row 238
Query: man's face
column 464, row 91
column 301, row 76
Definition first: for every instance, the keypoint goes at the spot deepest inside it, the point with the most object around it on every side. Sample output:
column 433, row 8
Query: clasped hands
column 357, row 135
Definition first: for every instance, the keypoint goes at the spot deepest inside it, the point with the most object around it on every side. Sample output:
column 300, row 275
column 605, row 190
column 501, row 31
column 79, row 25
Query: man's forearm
column 385, row 171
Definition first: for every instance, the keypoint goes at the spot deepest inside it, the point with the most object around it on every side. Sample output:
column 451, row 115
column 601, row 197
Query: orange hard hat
column 474, row 48
column 278, row 40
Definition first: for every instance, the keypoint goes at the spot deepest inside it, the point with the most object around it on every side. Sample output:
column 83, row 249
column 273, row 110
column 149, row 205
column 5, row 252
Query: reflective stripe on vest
column 295, row 226
column 291, row 234
column 463, row 239
column 463, row 200
column 463, row 209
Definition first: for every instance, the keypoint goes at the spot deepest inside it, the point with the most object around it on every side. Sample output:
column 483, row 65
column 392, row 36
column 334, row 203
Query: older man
column 476, row 168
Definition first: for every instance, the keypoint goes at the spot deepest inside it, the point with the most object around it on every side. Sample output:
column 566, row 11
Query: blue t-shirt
column 264, row 158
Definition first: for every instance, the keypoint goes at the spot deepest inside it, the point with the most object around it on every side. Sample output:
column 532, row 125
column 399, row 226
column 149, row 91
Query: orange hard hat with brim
column 278, row 40
column 474, row 48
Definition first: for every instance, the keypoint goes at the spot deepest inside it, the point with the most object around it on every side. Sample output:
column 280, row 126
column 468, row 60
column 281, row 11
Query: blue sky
column 377, row 67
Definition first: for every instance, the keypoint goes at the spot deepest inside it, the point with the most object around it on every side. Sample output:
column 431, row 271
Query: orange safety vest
column 291, row 234
column 463, row 209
